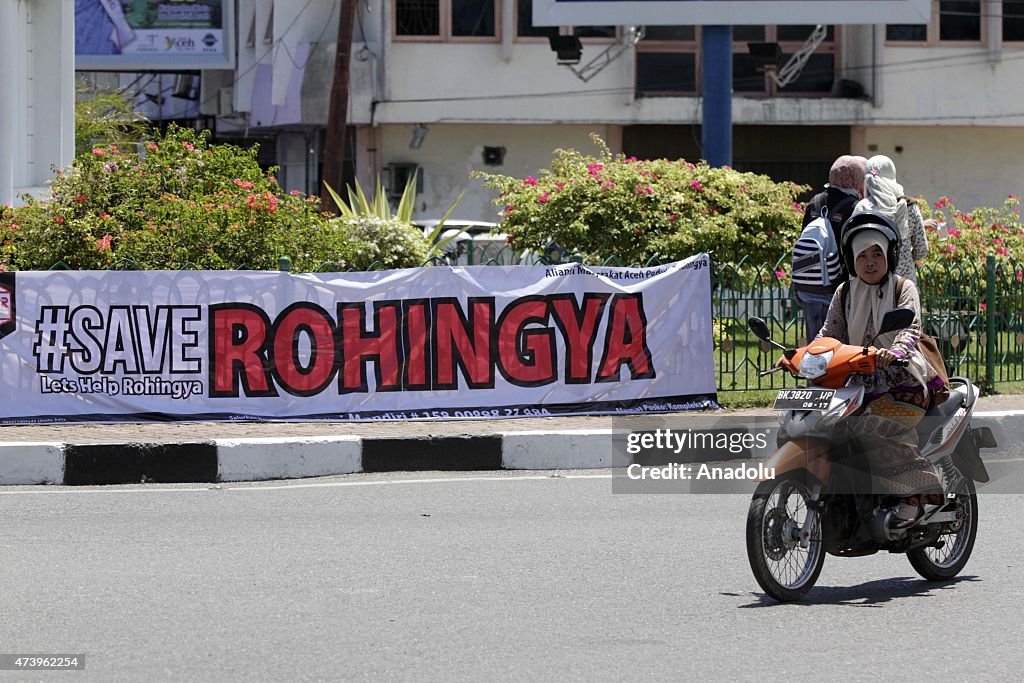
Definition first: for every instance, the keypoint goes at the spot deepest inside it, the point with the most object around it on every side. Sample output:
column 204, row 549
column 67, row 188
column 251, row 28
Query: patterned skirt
column 887, row 430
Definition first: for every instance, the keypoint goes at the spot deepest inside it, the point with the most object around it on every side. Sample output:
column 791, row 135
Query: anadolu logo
column 209, row 40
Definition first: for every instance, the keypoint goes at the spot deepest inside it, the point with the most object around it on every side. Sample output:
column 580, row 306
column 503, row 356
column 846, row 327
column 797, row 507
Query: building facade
column 452, row 86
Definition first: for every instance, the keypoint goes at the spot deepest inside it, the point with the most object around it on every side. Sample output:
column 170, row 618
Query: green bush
column 611, row 206
column 183, row 204
column 972, row 236
column 374, row 243
column 187, row 204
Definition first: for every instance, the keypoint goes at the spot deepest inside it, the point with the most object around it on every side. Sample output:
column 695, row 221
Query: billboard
column 728, row 12
column 153, row 35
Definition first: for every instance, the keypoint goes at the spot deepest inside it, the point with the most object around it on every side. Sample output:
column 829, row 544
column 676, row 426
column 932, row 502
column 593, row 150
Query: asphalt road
column 470, row 577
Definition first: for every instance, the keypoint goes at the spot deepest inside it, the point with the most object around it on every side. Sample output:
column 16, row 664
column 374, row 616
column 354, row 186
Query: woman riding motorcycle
column 896, row 395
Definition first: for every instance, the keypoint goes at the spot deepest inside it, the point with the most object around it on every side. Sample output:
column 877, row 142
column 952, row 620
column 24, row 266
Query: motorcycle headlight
column 814, row 366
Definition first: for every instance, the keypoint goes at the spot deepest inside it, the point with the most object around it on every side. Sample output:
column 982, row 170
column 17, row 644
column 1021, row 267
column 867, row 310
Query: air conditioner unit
column 226, row 102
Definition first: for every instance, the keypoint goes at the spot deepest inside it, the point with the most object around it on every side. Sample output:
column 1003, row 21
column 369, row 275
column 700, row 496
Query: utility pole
column 337, row 112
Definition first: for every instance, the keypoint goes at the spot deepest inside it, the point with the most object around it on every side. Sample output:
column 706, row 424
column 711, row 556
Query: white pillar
column 9, row 26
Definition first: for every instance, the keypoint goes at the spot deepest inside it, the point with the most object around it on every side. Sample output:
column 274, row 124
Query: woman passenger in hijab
column 883, row 195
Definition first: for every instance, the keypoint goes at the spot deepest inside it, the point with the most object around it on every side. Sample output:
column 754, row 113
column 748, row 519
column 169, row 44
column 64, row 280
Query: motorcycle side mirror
column 896, row 319
column 759, row 328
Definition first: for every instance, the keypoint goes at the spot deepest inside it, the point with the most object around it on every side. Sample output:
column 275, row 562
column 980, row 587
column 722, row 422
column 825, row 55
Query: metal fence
column 974, row 311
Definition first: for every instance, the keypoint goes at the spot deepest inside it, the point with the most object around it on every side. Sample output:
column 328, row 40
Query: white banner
column 440, row 342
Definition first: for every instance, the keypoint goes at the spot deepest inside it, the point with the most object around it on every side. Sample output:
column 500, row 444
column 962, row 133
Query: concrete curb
column 31, row 463
column 259, row 459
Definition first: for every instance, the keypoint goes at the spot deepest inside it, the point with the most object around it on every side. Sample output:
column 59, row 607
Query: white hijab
column 882, row 193
column 868, row 304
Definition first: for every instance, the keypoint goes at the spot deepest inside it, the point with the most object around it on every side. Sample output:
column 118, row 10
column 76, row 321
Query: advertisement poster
column 153, row 34
column 434, row 343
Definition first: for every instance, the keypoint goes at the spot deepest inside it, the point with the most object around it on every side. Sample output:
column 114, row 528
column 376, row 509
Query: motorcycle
column 820, row 501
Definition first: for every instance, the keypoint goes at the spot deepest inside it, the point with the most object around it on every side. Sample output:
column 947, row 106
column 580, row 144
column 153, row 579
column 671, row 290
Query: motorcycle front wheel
column 777, row 512
column 942, row 564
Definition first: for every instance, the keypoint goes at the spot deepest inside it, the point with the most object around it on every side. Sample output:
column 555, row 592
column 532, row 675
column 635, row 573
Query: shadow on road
column 869, row 594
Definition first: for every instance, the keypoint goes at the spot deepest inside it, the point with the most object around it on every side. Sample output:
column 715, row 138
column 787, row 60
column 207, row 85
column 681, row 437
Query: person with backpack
column 817, row 264
column 882, row 194
column 896, row 396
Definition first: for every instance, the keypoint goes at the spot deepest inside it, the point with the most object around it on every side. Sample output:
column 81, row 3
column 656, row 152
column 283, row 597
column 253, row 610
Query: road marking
column 271, row 487
column 334, row 484
column 74, row 489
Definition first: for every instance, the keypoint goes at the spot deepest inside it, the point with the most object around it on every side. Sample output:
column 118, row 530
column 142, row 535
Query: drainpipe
column 994, row 21
column 876, row 58
column 508, row 29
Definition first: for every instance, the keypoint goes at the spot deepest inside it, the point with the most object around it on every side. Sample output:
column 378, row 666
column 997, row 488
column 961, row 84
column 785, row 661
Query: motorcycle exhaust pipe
column 881, row 524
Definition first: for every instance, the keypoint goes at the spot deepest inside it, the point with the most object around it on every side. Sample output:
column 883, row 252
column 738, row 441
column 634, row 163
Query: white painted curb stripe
column 288, row 457
column 569, row 450
column 31, row 463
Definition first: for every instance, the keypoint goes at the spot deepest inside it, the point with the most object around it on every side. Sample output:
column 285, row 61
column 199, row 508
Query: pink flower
column 608, row 185
column 97, row 152
column 630, row 160
column 252, row 201
column 984, row 306
column 672, row 218
column 780, row 274
column 543, row 199
column 1002, row 252
column 595, row 169
column 943, row 202
column 105, row 216
column 244, row 184
column 80, row 198
column 953, row 232
column 530, row 180
column 510, row 240
column 103, row 244
column 188, row 146
column 152, row 147
column 644, row 189
column 509, row 208
column 1020, row 275
column 559, row 184
column 695, row 184
column 58, row 220
column 295, row 193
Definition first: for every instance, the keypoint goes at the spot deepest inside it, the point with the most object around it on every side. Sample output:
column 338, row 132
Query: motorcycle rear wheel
column 782, row 568
column 942, row 564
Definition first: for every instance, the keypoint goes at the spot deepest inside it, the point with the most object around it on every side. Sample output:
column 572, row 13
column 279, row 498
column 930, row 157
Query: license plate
column 804, row 399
